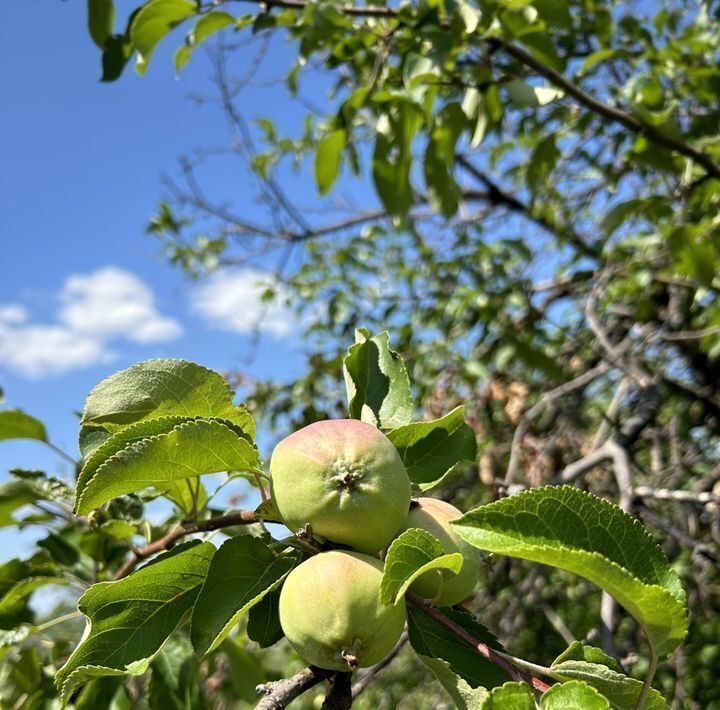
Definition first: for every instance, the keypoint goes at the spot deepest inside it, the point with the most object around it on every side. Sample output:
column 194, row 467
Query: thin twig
column 370, row 675
column 242, row 517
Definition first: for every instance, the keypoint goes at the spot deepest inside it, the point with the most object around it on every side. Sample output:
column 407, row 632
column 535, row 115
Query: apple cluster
column 344, row 482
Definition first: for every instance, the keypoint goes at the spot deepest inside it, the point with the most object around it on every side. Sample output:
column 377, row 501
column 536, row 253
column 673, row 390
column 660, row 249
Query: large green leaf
column 430, row 638
column 412, row 554
column 15, row 424
column 162, row 388
column 123, row 439
column 621, row 691
column 574, row 695
column 153, row 22
column 509, row 696
column 130, row 620
column 242, row 572
column 377, row 384
column 327, row 160
column 431, row 450
column 192, row 448
column 578, row 532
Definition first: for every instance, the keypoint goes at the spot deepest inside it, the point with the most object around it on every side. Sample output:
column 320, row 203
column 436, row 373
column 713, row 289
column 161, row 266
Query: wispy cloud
column 95, row 310
column 232, row 300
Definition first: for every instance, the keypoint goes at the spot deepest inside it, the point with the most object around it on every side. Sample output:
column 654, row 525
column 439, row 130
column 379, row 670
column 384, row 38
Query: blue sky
column 84, row 291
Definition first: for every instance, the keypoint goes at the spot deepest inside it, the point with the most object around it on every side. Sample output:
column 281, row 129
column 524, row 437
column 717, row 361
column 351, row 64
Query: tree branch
column 496, row 195
column 612, row 113
column 282, row 692
column 242, row 517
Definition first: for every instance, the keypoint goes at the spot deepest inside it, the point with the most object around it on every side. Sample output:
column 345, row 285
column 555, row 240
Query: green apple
column 441, row 586
column 331, row 613
column 345, row 479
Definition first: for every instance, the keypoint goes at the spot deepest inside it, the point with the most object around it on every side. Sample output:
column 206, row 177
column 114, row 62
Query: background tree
column 543, row 247
column 544, row 244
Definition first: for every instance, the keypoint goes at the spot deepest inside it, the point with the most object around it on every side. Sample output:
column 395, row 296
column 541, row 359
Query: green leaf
column 204, row 28
column 174, row 681
column 24, row 589
column 181, row 57
column 15, row 424
column 577, row 651
column 130, row 620
column 621, row 691
column 574, row 695
column 542, row 162
column 377, row 384
column 263, row 625
column 162, row 388
column 412, row 554
column 327, row 160
column 510, row 696
column 14, row 495
column 115, row 56
column 124, row 439
column 431, row 450
column 89, row 438
column 523, row 95
column 443, row 192
column 430, row 638
column 191, row 449
column 462, row 693
column 616, row 216
column 391, row 163
column 242, row 572
column 44, row 486
column 209, row 24
column 154, row 20
column 101, row 18
column 417, row 68
column 188, row 494
column 470, row 16
column 575, row 531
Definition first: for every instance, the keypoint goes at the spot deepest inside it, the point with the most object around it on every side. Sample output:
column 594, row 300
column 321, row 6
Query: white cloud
column 111, row 303
column 13, row 314
column 95, row 310
column 232, row 300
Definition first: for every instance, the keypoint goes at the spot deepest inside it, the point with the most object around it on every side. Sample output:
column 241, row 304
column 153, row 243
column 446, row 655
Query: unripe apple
column 345, row 479
column 441, row 586
column 331, row 613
